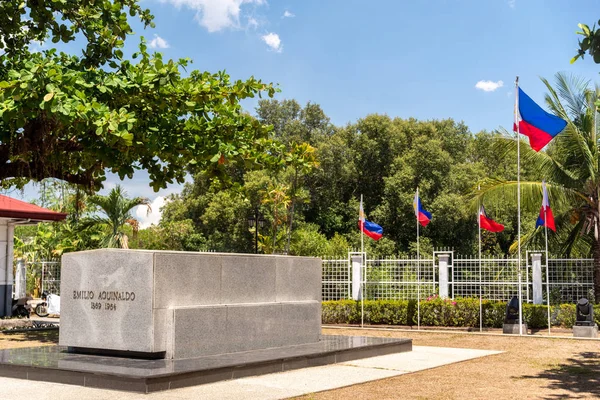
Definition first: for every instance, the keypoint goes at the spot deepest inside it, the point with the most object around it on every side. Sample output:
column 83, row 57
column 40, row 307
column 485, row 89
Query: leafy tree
column 301, row 161
column 176, row 235
column 277, row 200
column 308, row 241
column 117, row 212
column 571, row 167
column 590, row 43
column 292, row 123
column 72, row 117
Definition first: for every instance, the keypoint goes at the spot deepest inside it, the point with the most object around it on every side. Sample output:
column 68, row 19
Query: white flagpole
column 418, row 266
column 519, row 204
column 547, row 270
column 362, row 266
column 480, row 274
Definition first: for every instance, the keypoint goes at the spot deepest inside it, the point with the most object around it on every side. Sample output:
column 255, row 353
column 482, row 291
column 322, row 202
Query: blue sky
column 419, row 59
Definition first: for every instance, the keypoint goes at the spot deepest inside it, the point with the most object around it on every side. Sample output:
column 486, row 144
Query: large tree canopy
column 74, row 117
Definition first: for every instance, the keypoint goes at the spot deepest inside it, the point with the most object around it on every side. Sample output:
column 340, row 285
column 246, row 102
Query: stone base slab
column 55, row 364
column 513, row 329
column 585, row 331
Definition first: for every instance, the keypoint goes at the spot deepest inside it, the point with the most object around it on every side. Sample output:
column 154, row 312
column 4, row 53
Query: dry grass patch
column 530, row 368
column 28, row 339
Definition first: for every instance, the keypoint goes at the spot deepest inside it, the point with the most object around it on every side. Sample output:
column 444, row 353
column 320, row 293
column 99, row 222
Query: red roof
column 17, row 209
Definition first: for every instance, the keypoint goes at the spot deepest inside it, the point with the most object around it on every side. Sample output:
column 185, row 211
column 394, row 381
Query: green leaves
column 103, row 24
column 123, row 120
column 590, row 43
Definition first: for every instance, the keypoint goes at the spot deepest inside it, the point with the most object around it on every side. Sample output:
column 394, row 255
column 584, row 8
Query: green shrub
column 493, row 313
column 462, row 312
column 566, row 315
column 340, row 312
column 535, row 315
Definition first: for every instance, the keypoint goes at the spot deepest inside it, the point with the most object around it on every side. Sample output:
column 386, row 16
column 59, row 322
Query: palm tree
column 116, row 207
column 571, row 166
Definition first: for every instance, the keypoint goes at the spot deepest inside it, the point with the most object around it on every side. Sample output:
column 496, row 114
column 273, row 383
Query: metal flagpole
column 519, row 204
column 362, row 265
column 418, row 266
column 547, row 270
column 480, row 274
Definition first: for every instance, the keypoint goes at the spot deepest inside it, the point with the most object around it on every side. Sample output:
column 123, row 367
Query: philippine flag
column 541, row 127
column 487, row 223
column 424, row 217
column 369, row 228
column 546, row 217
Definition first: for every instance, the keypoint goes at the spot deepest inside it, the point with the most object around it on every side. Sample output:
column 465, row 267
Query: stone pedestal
column 174, row 305
column 513, row 329
column 585, row 331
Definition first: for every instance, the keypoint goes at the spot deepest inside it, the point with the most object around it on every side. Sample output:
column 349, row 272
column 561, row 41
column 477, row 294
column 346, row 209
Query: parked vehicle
column 50, row 305
column 42, row 308
column 21, row 307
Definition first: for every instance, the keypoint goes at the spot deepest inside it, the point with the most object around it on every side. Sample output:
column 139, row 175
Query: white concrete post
column 21, row 279
column 536, row 262
column 6, row 275
column 443, row 268
column 357, row 260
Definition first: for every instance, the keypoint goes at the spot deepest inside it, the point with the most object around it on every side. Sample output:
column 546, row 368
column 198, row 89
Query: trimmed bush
column 463, row 312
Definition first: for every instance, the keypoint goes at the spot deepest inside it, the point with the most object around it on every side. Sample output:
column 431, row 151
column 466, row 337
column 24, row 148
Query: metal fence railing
column 42, row 276
column 499, row 278
column 396, row 279
column 336, row 279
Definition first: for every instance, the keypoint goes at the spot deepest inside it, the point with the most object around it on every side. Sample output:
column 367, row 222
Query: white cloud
column 159, row 43
column 512, row 3
column 273, row 41
column 489, row 86
column 252, row 23
column 288, row 14
column 216, row 15
column 153, row 218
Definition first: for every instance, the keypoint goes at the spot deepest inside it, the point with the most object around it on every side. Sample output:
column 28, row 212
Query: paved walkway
column 272, row 386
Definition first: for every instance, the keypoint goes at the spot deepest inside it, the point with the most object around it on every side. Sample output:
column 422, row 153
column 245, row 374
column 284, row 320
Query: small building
column 15, row 212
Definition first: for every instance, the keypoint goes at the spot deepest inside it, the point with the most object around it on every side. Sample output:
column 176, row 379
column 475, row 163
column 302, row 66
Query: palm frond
column 546, row 165
column 572, row 90
column 531, row 194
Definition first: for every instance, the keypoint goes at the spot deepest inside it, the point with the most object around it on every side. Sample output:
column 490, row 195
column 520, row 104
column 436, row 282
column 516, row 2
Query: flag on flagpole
column 369, row 228
column 487, row 223
column 546, row 217
column 424, row 217
column 540, row 126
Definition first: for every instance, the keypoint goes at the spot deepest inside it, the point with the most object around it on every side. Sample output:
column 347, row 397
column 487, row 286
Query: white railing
column 397, row 279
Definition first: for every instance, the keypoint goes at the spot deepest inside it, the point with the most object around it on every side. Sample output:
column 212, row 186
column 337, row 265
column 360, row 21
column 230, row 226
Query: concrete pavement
column 272, row 386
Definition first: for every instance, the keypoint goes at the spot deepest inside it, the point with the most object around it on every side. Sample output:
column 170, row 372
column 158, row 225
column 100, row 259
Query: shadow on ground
column 579, row 376
column 49, row 336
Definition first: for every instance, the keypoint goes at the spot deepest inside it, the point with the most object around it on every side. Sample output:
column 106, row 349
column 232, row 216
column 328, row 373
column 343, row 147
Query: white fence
column 43, row 275
column 453, row 276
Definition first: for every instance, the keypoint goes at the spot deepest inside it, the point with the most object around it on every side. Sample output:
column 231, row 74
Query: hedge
column 452, row 313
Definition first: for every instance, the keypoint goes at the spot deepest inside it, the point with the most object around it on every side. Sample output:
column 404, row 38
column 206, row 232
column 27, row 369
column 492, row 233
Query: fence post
column 357, row 261
column 443, row 268
column 20, row 279
column 536, row 263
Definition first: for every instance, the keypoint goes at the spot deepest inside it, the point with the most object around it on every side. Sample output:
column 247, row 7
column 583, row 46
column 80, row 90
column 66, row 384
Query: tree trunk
column 289, row 235
column 596, row 255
